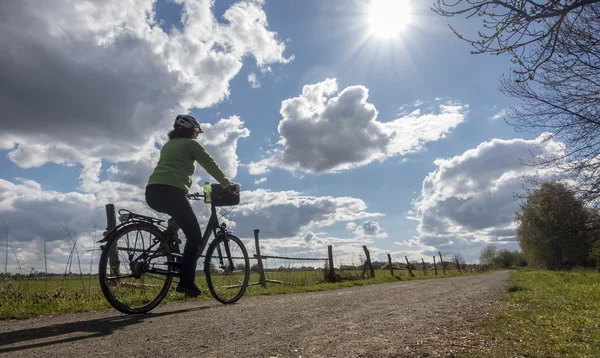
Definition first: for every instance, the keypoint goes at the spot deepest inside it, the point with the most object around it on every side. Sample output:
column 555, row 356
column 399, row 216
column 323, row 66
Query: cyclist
column 171, row 180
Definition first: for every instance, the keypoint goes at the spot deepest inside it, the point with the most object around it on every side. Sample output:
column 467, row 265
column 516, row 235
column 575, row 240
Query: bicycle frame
column 211, row 228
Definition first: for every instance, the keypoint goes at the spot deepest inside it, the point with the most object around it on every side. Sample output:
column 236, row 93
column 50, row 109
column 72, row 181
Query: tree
column 254, row 268
column 554, row 228
column 565, row 101
column 458, row 258
column 594, row 225
column 519, row 259
column 555, row 45
column 378, row 264
column 506, row 259
column 488, row 253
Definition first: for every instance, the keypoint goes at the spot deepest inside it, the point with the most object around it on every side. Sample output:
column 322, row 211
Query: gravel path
column 424, row 318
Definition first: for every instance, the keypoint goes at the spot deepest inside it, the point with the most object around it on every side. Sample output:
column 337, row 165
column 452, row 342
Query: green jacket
column 177, row 163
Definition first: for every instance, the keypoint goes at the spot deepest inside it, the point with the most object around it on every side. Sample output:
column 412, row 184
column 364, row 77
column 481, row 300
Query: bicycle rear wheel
column 135, row 269
column 227, row 268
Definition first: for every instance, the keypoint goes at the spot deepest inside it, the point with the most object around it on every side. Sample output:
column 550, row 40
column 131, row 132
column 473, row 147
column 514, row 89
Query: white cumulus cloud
column 287, row 213
column 254, row 82
column 500, row 114
column 325, row 131
column 468, row 200
column 260, row 180
column 370, row 229
column 102, row 80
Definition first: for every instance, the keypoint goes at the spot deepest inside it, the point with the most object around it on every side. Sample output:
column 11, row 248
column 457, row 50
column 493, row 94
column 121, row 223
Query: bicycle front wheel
column 135, row 269
column 227, row 268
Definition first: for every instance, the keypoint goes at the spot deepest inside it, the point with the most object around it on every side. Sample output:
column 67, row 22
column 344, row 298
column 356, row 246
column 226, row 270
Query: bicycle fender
column 109, row 234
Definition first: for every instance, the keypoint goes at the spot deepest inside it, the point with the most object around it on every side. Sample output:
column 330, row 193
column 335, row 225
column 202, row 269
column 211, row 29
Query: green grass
column 58, row 295
column 551, row 314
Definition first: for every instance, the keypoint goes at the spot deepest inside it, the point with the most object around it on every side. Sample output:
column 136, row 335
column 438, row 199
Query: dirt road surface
column 425, row 318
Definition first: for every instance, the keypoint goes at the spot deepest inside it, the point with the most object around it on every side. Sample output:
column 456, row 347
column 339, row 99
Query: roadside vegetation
column 553, row 305
column 550, row 314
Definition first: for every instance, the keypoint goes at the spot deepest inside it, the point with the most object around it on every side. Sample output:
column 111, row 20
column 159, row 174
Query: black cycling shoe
column 189, row 289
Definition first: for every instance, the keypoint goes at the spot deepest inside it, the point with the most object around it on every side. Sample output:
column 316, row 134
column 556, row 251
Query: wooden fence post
column 261, row 270
column 113, row 255
column 366, row 263
column 408, row 266
column 424, row 267
column 442, row 261
column 371, row 271
column 434, row 265
column 330, row 254
column 390, row 263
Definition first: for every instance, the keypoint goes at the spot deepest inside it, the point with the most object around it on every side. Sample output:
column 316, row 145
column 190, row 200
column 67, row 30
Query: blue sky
column 87, row 113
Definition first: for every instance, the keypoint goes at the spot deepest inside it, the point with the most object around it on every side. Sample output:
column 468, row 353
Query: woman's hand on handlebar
column 196, row 196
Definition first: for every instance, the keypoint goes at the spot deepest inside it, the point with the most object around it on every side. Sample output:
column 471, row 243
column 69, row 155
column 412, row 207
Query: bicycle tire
column 104, row 278
column 212, row 277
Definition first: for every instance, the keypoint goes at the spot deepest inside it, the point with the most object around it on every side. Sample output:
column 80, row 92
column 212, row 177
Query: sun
column 387, row 18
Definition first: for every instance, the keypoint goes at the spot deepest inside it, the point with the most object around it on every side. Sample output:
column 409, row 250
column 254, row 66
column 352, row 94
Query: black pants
column 171, row 200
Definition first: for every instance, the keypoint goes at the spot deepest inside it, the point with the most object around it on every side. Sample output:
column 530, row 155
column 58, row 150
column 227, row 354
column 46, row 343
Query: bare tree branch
column 526, row 29
column 555, row 46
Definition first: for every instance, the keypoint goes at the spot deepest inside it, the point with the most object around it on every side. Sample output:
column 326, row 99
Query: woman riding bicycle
column 171, row 181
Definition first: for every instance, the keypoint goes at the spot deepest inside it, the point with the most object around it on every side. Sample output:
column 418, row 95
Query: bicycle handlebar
column 195, row 196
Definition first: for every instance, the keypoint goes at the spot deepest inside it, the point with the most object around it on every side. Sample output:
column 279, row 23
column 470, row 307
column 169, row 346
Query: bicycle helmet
column 186, row 121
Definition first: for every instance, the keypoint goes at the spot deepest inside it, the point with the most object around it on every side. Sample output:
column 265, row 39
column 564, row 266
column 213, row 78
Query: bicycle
column 226, row 265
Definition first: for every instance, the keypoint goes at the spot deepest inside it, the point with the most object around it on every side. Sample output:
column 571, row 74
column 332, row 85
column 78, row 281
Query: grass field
column 57, row 295
column 551, row 314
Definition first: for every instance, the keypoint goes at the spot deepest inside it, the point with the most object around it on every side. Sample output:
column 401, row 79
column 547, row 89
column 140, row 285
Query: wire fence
column 295, row 270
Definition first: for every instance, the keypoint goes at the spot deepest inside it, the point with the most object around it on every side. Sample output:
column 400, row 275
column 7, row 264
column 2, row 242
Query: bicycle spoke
column 227, row 268
column 133, row 289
